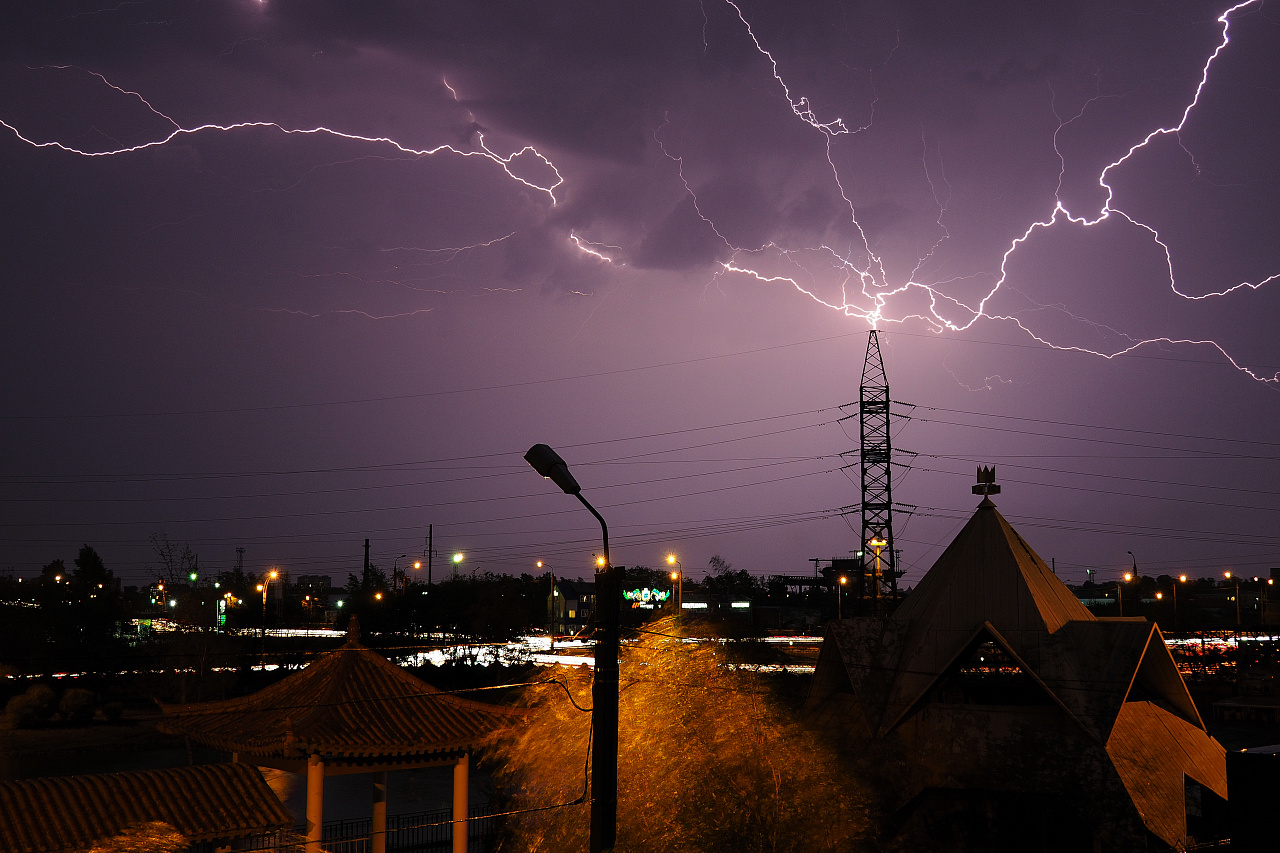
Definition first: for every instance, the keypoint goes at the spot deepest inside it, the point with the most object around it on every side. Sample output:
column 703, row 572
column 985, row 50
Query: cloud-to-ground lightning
column 867, row 291
column 856, row 280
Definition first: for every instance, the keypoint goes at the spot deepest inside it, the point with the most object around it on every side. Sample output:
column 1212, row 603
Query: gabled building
column 570, row 605
column 1004, row 715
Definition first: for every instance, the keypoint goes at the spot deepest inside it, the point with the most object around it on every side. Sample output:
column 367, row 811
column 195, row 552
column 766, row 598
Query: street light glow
column 671, row 559
column 457, row 558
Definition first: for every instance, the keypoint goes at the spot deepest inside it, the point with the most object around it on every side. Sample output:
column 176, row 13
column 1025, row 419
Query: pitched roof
column 349, row 703
column 1114, row 677
column 989, row 571
column 988, row 574
column 203, row 803
column 1154, row 752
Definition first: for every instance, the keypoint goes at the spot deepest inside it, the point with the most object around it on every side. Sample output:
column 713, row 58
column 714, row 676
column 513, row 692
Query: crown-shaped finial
column 986, row 481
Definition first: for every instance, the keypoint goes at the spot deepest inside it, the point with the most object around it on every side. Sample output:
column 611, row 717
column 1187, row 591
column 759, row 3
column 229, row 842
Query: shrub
column 32, row 708
column 23, row 712
column 77, row 706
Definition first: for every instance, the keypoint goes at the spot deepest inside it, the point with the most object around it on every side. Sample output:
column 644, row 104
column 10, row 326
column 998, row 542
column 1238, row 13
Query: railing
column 405, row 832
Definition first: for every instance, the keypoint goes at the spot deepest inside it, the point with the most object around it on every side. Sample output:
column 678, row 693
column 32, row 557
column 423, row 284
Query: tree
column 709, row 761
column 176, row 559
column 91, row 571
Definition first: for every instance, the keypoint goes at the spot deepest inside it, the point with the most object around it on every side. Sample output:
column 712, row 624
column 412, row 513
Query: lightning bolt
column 859, row 280
column 507, row 163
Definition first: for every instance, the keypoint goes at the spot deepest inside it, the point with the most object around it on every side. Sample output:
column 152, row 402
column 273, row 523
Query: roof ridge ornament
column 986, row 484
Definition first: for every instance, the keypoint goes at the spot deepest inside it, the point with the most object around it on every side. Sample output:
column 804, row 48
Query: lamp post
column 604, row 684
column 396, row 577
column 551, row 606
column 840, row 598
column 262, row 588
column 1227, row 575
column 677, row 578
column 1128, row 576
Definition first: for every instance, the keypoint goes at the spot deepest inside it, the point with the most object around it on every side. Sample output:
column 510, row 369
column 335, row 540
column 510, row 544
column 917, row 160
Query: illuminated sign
column 694, row 605
column 646, row 595
column 740, row 605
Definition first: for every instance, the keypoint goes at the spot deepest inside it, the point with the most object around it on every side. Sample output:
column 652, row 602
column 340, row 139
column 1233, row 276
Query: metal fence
column 405, row 832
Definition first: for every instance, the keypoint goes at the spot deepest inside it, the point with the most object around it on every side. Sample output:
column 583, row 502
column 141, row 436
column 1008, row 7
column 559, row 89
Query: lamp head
column 549, row 464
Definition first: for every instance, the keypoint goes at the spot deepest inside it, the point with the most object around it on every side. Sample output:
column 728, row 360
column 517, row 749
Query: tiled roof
column 204, row 803
column 349, row 703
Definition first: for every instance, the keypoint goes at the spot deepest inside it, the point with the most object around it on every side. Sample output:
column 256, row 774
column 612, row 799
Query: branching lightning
column 859, row 277
column 865, row 289
column 507, row 163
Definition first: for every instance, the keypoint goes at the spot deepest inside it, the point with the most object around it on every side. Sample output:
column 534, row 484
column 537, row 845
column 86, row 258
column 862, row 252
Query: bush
column 23, row 712
column 77, row 706
column 45, row 697
column 113, row 711
column 32, row 708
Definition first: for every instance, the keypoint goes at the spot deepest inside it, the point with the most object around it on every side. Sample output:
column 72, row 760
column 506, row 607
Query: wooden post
column 379, row 823
column 460, row 792
column 315, row 802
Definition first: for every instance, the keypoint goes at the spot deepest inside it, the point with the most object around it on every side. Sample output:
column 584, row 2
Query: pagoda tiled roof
column 203, row 803
column 351, row 703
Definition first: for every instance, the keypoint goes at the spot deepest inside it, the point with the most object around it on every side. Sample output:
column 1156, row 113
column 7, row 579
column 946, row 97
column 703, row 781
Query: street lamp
column 395, row 573
column 840, row 598
column 877, row 544
column 604, row 684
column 262, row 588
column 1227, row 575
column 677, row 577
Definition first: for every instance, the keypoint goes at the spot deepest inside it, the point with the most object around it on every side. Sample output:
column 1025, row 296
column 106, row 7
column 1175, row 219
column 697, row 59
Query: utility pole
column 604, row 709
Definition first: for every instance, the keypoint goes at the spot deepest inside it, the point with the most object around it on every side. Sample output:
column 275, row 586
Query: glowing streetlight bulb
column 457, row 558
column 600, row 562
column 671, row 559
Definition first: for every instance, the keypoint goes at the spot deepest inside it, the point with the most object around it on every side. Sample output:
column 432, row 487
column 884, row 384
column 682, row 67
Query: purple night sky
column 286, row 275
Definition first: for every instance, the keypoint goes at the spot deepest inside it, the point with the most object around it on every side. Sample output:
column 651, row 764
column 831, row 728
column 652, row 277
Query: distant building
column 570, row 605
column 314, row 584
column 1004, row 715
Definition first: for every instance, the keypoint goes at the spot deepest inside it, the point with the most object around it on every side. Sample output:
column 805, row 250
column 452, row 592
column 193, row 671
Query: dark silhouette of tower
column 878, row 558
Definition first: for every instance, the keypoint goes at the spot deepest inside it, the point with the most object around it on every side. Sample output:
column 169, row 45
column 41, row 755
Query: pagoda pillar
column 460, row 790
column 379, row 840
column 315, row 802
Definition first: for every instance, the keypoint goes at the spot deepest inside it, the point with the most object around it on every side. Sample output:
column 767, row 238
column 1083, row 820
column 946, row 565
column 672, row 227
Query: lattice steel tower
column 879, row 561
